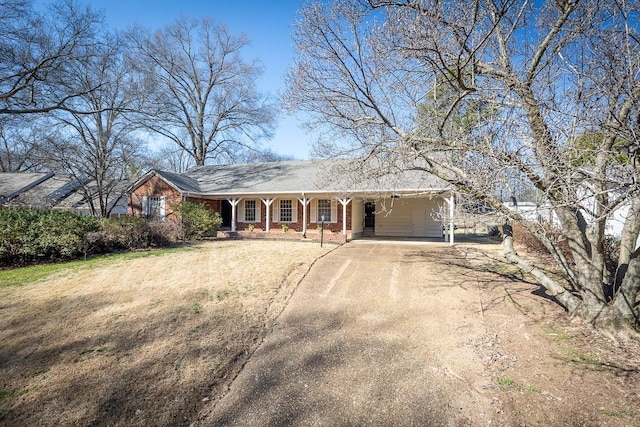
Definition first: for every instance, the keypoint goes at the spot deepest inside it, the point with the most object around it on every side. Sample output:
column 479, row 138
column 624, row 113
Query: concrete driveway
column 376, row 334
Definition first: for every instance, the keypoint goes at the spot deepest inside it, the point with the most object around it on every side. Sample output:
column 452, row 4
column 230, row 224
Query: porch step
column 227, row 234
column 368, row 233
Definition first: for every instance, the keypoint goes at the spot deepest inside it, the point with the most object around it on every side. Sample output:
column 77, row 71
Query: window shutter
column 145, row 206
column 314, row 211
column 163, row 200
column 276, row 211
column 294, row 210
column 241, row 211
column 334, row 210
column 258, row 210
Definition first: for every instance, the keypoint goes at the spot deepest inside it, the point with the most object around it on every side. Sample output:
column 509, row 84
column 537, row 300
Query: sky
column 267, row 23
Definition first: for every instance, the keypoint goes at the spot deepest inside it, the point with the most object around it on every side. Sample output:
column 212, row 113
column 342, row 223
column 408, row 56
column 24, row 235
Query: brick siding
column 155, row 187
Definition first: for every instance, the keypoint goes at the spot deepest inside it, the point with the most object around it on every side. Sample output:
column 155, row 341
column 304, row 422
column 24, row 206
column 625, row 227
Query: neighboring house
column 298, row 194
column 51, row 191
column 544, row 213
column 533, row 212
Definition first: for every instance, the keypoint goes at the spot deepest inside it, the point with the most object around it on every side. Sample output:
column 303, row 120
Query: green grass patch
column 197, row 308
column 222, row 295
column 556, row 333
column 506, row 383
column 37, row 273
column 580, row 360
column 619, row 412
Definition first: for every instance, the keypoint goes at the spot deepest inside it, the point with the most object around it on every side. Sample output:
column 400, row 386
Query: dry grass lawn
column 143, row 341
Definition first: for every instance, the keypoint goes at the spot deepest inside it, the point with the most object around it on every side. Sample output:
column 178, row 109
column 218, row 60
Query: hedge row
column 35, row 235
column 29, row 235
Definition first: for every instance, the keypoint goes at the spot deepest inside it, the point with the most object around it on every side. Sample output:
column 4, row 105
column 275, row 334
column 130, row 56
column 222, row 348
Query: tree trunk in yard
column 583, row 305
column 566, row 298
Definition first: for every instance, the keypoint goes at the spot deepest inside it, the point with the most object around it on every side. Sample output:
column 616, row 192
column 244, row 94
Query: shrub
column 526, row 238
column 162, row 233
column 197, row 221
column 130, row 232
column 28, row 235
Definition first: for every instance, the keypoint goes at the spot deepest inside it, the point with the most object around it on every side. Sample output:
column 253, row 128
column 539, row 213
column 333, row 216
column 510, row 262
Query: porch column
column 305, row 202
column 344, row 203
column 233, row 202
column 268, row 202
column 451, row 202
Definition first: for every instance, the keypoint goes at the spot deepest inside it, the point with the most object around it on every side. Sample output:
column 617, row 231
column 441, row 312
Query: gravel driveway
column 369, row 337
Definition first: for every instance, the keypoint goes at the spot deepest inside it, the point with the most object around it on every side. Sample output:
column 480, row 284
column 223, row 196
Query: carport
column 427, row 215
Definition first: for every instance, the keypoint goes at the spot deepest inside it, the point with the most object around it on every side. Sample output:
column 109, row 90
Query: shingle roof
column 77, row 199
column 184, row 183
column 280, row 177
column 298, row 176
column 48, row 190
column 46, row 193
column 13, row 184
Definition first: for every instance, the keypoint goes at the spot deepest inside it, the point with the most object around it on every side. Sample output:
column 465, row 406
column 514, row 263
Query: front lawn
column 138, row 340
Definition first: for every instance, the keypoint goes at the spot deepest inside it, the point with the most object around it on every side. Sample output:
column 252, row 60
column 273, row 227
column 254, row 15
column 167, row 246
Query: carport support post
column 344, row 203
column 268, row 202
column 451, row 212
column 304, row 202
column 234, row 203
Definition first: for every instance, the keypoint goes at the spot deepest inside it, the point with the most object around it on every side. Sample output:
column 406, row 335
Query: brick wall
column 215, row 206
column 154, row 187
column 211, row 205
column 296, row 226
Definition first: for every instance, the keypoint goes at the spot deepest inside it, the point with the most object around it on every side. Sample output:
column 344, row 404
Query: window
column 286, row 211
column 324, row 208
column 249, row 211
column 154, row 207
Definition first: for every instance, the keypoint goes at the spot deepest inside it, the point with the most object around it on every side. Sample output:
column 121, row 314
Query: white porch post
column 305, row 202
column 451, row 213
column 268, row 202
column 234, row 203
column 344, row 203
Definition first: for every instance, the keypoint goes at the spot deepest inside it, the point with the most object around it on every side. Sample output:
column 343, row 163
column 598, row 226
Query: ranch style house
column 298, row 194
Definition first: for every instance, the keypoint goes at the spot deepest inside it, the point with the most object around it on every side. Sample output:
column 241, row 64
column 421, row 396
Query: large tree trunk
column 583, row 306
column 553, row 288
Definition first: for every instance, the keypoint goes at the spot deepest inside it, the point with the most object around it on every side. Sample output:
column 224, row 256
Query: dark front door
column 225, row 213
column 369, row 215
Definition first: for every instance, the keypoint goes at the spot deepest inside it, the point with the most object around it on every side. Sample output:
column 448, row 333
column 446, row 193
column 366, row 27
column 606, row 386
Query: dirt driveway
column 405, row 334
column 372, row 336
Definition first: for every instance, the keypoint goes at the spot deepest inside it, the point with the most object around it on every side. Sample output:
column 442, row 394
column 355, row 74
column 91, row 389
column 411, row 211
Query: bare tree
column 526, row 81
column 173, row 159
column 261, row 156
column 40, row 54
column 202, row 94
column 100, row 147
column 21, row 139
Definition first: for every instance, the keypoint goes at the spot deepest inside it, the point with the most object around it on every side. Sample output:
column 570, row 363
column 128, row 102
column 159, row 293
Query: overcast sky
column 267, row 23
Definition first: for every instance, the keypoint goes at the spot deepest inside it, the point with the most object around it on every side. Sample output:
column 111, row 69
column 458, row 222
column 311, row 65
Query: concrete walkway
column 372, row 336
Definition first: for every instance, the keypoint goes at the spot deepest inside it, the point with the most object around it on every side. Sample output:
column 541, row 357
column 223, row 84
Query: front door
column 419, row 217
column 369, row 215
column 225, row 213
